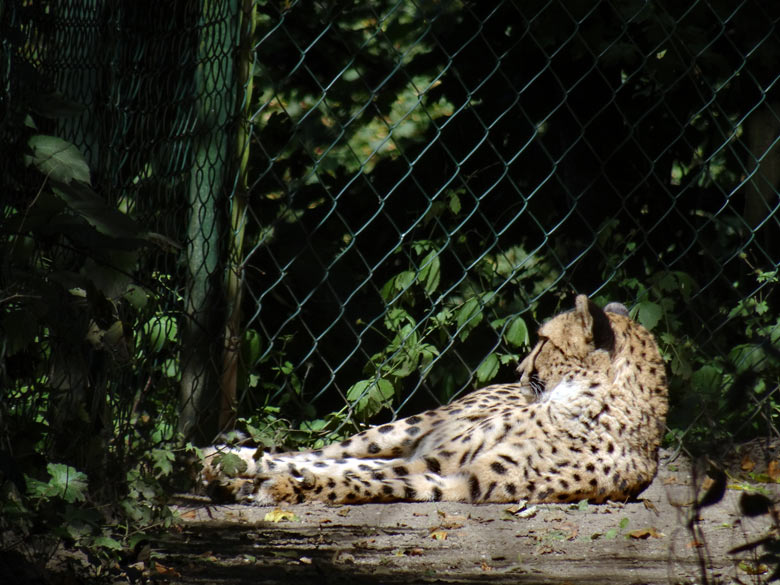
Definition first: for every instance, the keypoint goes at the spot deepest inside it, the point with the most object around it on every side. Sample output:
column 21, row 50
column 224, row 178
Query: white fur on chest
column 565, row 391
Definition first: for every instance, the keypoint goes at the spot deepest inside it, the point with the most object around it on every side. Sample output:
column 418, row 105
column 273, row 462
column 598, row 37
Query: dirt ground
column 647, row 541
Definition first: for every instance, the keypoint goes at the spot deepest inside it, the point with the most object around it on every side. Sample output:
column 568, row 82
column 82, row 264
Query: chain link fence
column 297, row 218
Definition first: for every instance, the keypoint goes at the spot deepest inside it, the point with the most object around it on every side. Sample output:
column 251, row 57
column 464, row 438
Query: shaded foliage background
column 296, row 218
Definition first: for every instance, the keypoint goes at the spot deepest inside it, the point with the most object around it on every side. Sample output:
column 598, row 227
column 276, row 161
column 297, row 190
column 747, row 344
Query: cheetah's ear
column 595, row 320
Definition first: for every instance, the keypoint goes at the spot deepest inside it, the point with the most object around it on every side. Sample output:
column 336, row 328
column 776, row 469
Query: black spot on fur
column 346, row 443
column 409, row 493
column 387, row 489
column 413, row 420
column 331, row 483
column 543, row 495
column 433, row 465
column 385, row 429
column 474, row 489
column 373, row 448
column 364, row 467
column 489, row 491
column 508, row 459
column 320, row 464
column 511, row 489
column 378, row 475
column 400, row 471
column 444, row 454
column 412, row 431
column 436, row 494
column 498, row 468
column 332, row 496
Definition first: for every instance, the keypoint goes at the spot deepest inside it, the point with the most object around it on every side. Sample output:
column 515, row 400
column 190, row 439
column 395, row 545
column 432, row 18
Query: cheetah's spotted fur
column 584, row 422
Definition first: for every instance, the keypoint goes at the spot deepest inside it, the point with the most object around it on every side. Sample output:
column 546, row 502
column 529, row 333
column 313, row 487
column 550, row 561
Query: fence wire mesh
column 299, row 218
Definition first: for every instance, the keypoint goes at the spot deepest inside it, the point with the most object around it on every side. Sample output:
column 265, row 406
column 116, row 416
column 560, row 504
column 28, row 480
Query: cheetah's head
column 577, row 341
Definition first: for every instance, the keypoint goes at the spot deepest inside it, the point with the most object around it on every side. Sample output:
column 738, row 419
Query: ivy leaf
column 67, row 483
column 163, row 460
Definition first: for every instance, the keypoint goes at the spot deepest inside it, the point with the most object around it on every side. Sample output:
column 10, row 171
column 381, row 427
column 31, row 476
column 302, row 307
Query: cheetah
column 584, row 422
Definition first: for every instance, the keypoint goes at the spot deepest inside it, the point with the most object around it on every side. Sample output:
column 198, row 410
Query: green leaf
column 368, row 397
column 468, row 317
column 517, row 333
column 430, row 273
column 488, row 369
column 455, row 204
column 231, row 464
column 58, row 159
column 163, row 460
column 649, row 314
column 67, row 483
column 106, row 219
column 159, row 330
column 251, row 347
column 107, row 542
column 136, row 296
column 399, row 283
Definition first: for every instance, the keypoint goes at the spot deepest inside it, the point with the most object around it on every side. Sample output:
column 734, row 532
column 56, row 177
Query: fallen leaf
column 694, row 544
column 343, row 511
column 643, row 533
column 438, row 534
column 527, row 513
column 305, row 560
column 189, row 514
column 521, row 510
column 451, row 521
column 414, row 552
column 279, row 515
column 485, row 567
column 747, row 464
column 773, row 471
column 167, row 571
